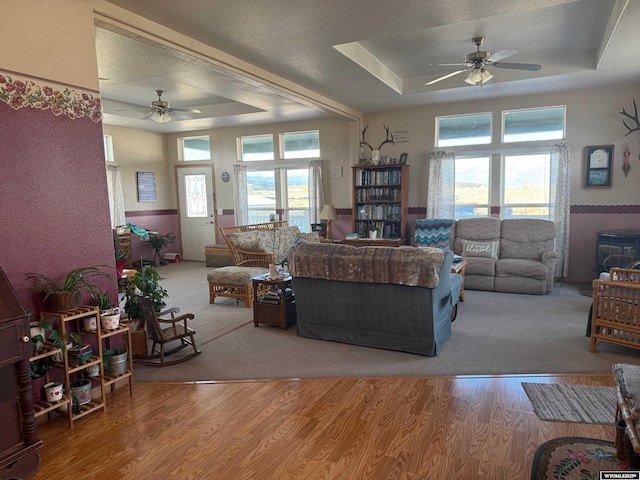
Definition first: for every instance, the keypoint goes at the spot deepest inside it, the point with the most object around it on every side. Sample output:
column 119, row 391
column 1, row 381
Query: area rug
column 572, row 403
column 579, row 458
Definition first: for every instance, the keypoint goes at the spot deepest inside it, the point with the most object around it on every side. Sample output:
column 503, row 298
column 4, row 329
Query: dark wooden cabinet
column 19, row 444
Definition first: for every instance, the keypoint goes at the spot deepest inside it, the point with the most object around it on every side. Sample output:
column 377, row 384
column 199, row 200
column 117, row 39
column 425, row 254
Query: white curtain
column 316, row 193
column 441, row 188
column 240, row 199
column 116, row 198
column 560, row 204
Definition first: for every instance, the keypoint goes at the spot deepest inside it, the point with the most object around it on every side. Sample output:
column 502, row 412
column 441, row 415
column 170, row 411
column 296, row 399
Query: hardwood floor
column 367, row 428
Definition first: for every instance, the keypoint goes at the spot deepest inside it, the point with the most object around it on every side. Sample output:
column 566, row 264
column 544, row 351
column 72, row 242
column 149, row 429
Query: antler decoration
column 388, row 139
column 363, row 143
column 633, row 117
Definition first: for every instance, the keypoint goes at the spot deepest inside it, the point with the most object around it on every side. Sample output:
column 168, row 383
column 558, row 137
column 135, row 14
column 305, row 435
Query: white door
column 197, row 214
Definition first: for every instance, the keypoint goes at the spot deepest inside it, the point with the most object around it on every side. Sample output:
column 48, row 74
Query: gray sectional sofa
column 382, row 297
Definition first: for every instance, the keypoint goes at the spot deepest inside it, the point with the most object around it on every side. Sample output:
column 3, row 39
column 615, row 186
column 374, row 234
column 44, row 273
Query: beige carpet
column 494, row 333
column 572, row 403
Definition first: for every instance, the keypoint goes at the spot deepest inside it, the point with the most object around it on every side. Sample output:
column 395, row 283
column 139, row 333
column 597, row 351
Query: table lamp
column 328, row 213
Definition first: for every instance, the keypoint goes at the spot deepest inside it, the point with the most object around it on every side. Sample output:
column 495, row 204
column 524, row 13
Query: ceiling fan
column 477, row 62
column 160, row 111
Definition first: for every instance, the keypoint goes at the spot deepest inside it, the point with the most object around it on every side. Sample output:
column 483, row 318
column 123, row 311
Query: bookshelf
column 380, row 194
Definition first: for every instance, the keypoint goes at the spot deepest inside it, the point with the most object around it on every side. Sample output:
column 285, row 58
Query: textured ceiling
column 394, row 48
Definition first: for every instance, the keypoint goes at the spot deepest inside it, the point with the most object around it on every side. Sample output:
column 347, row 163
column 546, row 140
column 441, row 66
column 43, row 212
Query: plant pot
column 53, row 392
column 110, row 321
column 373, row 234
column 59, row 357
column 81, row 390
column 93, row 370
column 35, row 330
column 118, row 364
column 61, row 301
column 90, row 324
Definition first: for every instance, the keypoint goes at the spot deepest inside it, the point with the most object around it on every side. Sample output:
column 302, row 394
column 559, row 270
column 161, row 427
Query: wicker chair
column 235, row 281
column 616, row 309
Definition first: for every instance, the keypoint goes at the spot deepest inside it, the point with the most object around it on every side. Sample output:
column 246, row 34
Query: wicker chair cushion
column 253, row 241
column 285, row 237
column 234, row 275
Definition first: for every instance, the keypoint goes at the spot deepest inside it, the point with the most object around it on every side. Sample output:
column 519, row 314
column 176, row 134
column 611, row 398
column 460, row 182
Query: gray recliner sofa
column 523, row 262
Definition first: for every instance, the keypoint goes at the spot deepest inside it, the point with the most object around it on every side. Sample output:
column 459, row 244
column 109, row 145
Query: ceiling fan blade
column 185, row 110
column 446, row 76
column 148, row 115
column 179, row 115
column 494, row 57
column 451, row 65
column 137, row 109
column 534, row 67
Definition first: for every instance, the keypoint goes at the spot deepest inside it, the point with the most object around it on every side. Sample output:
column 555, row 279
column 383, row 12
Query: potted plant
column 81, row 390
column 55, row 338
column 116, row 360
column 64, row 294
column 373, row 231
column 109, row 313
column 145, row 282
column 158, row 242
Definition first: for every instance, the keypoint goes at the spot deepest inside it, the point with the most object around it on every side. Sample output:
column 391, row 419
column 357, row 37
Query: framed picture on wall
column 599, row 166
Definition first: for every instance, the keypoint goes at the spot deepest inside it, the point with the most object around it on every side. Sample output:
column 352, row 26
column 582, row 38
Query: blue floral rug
column 574, row 458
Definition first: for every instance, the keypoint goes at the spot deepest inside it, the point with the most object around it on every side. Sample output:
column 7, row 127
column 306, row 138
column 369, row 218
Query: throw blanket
column 416, row 267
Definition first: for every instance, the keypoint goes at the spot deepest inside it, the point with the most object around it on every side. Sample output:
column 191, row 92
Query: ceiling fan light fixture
column 160, row 117
column 486, row 75
column 474, row 77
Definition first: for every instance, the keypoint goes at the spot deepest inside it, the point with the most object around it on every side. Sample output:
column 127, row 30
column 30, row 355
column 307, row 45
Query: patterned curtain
column 116, row 198
column 240, row 198
column 560, row 205
column 441, row 189
column 316, row 193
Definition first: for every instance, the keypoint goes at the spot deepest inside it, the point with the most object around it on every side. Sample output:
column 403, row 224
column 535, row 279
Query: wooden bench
column 235, row 281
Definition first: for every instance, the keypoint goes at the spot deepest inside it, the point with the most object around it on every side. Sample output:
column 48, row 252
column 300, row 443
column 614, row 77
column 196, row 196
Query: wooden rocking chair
column 176, row 331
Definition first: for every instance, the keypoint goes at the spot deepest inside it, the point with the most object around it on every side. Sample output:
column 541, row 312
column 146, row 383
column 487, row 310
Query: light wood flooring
column 368, row 428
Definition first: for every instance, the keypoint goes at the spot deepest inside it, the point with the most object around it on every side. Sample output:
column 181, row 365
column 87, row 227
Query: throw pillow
column 311, row 237
column 433, row 233
column 476, row 248
column 248, row 241
column 284, row 239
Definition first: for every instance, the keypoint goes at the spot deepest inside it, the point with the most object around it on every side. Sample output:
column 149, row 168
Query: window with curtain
column 114, row 185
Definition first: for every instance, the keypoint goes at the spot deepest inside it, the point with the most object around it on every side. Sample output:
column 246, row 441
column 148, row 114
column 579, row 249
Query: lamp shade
column 328, row 213
column 486, row 75
column 474, row 77
column 160, row 117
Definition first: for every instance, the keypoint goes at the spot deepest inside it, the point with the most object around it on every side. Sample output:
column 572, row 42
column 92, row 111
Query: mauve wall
column 54, row 211
column 161, row 221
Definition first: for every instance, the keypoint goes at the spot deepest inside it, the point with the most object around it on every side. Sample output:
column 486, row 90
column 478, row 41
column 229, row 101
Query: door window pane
column 301, row 145
column 256, row 148
column 463, row 130
column 196, row 195
column 526, row 186
column 533, row 124
column 261, row 195
column 472, row 187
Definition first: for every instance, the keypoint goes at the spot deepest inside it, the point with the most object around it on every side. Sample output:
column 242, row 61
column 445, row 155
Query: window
column 474, row 129
column 256, row 148
column 285, row 189
column 108, row 147
column 533, row 124
column 472, row 187
column 195, row 148
column 301, row 145
column 526, row 181
column 261, row 193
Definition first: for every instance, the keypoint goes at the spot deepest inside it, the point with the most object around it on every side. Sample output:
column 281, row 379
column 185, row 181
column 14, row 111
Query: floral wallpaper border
column 20, row 92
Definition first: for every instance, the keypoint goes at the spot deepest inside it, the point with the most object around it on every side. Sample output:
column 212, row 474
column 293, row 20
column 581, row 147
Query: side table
column 460, row 268
column 277, row 306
